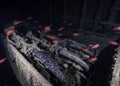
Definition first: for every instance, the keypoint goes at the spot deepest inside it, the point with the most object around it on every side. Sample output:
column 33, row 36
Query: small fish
column 114, row 43
column 83, row 49
column 61, row 28
column 75, row 34
column 93, row 59
column 51, row 37
column 60, row 34
column 69, row 24
column 29, row 18
column 2, row 60
column 9, row 32
column 55, row 41
column 117, row 28
column 95, row 46
column 47, row 28
column 17, row 22
column 39, row 31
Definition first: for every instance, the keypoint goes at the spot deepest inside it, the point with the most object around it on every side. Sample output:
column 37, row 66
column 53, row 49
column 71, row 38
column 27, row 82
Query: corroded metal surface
column 50, row 65
column 25, row 72
column 116, row 72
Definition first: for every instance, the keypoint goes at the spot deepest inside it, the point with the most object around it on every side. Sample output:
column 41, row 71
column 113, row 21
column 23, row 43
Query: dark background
column 89, row 13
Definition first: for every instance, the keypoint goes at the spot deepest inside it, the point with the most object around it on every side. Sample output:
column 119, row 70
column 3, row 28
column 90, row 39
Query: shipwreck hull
column 29, row 76
column 26, row 74
column 116, row 69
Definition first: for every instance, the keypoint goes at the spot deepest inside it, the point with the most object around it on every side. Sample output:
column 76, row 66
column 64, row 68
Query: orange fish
column 39, row 31
column 2, row 60
column 75, row 34
column 60, row 34
column 84, row 50
column 114, row 43
column 51, row 37
column 55, row 41
column 61, row 28
column 47, row 28
column 9, row 32
column 17, row 22
column 95, row 46
column 117, row 28
column 93, row 59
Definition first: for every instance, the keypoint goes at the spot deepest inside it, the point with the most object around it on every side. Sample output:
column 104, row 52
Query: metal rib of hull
column 24, row 71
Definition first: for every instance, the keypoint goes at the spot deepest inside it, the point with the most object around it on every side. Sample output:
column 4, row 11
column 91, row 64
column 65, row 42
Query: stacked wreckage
column 41, row 59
